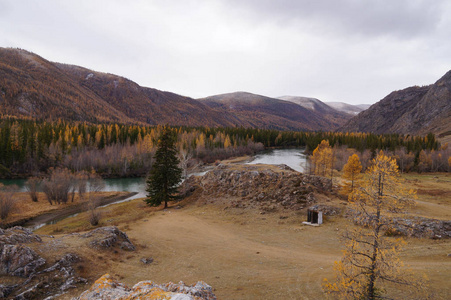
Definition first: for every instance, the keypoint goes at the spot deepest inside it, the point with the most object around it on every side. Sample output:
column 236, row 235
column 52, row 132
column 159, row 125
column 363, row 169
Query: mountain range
column 33, row 87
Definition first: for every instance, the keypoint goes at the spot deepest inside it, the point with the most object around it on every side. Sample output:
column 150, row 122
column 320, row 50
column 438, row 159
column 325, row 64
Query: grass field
column 244, row 254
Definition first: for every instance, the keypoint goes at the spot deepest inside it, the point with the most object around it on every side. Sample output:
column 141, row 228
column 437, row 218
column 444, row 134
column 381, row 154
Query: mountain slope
column 31, row 86
column 348, row 108
column 260, row 111
column 414, row 110
column 336, row 117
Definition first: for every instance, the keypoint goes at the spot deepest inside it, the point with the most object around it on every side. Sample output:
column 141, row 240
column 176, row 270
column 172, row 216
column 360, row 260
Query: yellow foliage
column 322, row 158
column 370, row 258
column 351, row 172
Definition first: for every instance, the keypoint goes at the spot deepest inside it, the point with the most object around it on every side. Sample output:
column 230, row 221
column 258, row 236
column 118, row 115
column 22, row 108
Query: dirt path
column 60, row 214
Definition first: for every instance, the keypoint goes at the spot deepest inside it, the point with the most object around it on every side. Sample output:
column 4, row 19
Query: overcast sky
column 352, row 51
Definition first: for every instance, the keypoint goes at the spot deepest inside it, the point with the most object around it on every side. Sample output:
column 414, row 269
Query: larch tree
column 371, row 259
column 165, row 173
column 351, row 172
column 322, row 158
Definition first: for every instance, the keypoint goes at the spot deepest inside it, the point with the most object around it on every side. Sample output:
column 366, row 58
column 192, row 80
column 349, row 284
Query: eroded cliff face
column 108, row 288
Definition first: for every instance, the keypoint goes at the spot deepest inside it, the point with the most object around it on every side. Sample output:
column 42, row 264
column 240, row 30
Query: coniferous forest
column 29, row 147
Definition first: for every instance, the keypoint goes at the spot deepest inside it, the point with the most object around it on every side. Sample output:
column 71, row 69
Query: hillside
column 31, row 86
column 261, row 111
column 414, row 110
column 335, row 116
column 348, row 108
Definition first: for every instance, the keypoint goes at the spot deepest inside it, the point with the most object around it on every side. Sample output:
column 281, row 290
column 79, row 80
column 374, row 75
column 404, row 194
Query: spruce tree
column 165, row 174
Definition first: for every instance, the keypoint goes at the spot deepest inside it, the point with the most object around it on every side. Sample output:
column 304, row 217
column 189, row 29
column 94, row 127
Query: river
column 294, row 158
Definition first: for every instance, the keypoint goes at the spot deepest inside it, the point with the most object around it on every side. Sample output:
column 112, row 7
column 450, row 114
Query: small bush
column 7, row 201
column 32, row 185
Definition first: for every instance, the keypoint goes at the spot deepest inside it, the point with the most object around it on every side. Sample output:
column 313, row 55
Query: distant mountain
column 414, row 110
column 261, row 111
column 348, row 108
column 335, row 116
column 31, row 86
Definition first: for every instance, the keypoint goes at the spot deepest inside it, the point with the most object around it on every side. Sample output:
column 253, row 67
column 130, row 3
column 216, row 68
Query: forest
column 30, row 147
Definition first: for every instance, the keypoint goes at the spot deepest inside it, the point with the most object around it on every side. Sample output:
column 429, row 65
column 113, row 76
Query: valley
column 243, row 247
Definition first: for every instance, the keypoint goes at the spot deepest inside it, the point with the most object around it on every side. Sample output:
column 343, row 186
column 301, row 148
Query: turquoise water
column 294, row 158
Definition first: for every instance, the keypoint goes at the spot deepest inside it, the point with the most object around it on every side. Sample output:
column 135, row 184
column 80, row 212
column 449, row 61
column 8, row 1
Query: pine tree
column 165, row 174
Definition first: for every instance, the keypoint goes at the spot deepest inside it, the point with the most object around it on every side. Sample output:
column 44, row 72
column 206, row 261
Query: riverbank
column 32, row 214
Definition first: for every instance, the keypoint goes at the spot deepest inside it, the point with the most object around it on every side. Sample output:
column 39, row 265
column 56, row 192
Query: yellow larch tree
column 322, row 158
column 371, row 259
column 351, row 172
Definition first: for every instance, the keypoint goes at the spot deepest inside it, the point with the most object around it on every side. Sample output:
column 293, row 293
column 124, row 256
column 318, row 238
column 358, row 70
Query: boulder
column 107, row 237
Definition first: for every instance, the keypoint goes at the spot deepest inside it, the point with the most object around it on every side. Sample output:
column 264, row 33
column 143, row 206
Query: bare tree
column 7, row 201
column 32, row 186
column 96, row 184
column 184, row 156
column 58, row 185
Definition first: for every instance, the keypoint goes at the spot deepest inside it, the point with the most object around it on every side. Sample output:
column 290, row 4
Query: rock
column 108, row 288
column 5, row 290
column 255, row 187
column 147, row 261
column 107, row 237
column 19, row 260
column 18, row 235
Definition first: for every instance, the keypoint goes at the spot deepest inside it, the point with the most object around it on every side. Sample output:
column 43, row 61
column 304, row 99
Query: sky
column 352, row 51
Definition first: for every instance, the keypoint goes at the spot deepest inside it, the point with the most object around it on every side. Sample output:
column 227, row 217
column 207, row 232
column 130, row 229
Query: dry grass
column 244, row 254
column 25, row 208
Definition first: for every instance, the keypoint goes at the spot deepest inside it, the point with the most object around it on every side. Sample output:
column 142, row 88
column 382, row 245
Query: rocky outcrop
column 19, row 260
column 410, row 226
column 15, row 258
column 422, row 228
column 18, row 235
column 256, row 186
column 33, row 279
column 107, row 237
column 108, row 288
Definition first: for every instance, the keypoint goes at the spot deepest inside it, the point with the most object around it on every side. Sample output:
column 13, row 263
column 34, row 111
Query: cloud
column 348, row 50
column 400, row 18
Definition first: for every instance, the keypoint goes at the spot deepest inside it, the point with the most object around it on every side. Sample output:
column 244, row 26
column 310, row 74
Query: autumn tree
column 351, row 172
column 370, row 258
column 165, row 174
column 322, row 158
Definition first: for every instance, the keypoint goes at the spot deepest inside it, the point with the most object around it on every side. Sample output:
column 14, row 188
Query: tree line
column 114, row 150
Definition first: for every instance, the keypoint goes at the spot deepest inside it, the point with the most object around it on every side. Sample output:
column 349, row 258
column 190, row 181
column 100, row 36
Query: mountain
column 31, row 86
column 348, row 108
column 261, row 111
column 414, row 110
column 335, row 116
